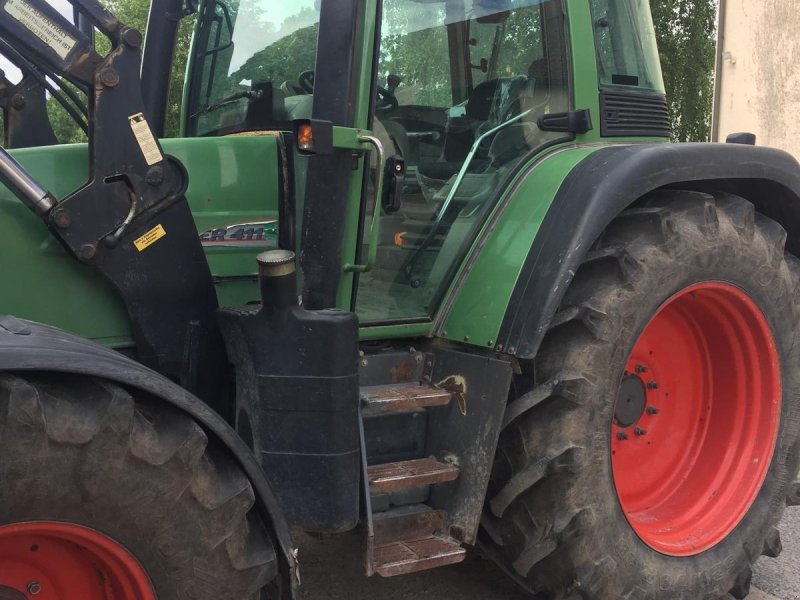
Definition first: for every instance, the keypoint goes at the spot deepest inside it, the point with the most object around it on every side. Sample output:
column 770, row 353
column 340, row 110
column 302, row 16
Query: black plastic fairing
column 328, row 177
column 610, row 180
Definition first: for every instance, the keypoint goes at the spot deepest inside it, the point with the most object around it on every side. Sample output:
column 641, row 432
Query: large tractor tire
column 651, row 447
column 105, row 496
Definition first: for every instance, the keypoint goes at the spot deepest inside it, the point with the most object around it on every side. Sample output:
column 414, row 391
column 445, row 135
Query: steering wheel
column 387, row 101
column 306, row 81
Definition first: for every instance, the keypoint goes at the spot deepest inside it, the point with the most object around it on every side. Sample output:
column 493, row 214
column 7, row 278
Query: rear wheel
column 109, row 497
column 651, row 445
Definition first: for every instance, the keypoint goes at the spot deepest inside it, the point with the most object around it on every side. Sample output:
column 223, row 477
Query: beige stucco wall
column 759, row 78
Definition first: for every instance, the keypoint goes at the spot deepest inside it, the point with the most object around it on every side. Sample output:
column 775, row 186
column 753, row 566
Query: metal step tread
column 410, row 556
column 409, row 474
column 403, row 397
column 412, row 521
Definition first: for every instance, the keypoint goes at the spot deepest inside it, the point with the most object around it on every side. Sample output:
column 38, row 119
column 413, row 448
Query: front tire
column 604, row 486
column 103, row 495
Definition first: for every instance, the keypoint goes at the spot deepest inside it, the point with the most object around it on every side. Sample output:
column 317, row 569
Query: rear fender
column 606, row 183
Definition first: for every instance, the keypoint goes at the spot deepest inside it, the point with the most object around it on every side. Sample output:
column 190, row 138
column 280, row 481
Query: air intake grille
column 634, row 114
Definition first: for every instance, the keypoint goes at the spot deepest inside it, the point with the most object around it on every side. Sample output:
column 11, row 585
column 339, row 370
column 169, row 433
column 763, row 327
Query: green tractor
column 430, row 268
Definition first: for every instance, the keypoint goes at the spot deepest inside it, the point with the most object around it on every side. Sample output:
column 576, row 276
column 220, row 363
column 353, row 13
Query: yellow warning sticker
column 144, row 137
column 149, row 238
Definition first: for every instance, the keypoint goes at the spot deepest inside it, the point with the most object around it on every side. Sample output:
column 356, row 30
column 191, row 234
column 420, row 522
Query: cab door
column 461, row 86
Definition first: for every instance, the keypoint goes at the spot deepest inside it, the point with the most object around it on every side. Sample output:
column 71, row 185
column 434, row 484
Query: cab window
column 252, row 65
column 462, row 85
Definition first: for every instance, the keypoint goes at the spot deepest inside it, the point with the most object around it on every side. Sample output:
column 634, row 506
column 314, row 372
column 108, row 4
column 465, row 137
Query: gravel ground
column 332, row 570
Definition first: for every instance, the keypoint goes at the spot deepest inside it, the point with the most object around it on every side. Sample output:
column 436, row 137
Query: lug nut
column 132, row 37
column 34, row 587
column 61, row 218
column 622, row 436
column 87, row 251
column 18, row 101
column 109, row 77
column 640, row 431
column 641, row 369
column 652, row 385
column 652, row 410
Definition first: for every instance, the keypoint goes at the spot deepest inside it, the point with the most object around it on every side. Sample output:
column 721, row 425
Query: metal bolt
column 621, row 436
column 132, row 37
column 652, row 385
column 640, row 431
column 154, row 175
column 641, row 369
column 466, row 338
column 109, row 77
column 61, row 218
column 364, row 362
column 87, row 251
column 18, row 101
column 34, row 587
column 652, row 410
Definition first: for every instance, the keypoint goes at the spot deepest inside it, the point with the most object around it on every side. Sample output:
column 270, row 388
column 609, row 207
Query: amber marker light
column 305, row 137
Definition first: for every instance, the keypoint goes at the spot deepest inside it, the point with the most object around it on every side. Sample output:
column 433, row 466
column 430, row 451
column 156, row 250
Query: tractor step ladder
column 412, row 537
column 403, row 397
column 409, row 474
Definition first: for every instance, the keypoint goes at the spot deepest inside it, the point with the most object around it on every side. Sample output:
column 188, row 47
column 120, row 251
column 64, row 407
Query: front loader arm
column 130, row 220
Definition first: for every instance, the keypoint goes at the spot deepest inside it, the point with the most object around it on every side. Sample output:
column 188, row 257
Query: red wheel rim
column 691, row 464
column 61, row 561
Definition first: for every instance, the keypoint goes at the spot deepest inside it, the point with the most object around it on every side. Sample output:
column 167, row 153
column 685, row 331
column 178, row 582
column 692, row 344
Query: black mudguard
column 29, row 346
column 613, row 178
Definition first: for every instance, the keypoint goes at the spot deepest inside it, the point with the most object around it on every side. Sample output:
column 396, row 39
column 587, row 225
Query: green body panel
column 478, row 299
column 586, row 93
column 232, row 180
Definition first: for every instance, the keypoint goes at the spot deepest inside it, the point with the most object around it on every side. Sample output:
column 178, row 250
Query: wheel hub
column 631, row 401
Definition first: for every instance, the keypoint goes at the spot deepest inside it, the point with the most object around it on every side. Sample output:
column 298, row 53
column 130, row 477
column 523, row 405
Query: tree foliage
column 133, row 13
column 293, row 52
column 686, row 33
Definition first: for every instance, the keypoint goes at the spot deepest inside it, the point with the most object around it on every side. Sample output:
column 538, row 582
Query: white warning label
column 41, row 26
column 147, row 143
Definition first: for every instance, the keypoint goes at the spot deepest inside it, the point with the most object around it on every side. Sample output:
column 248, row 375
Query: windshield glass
column 253, row 64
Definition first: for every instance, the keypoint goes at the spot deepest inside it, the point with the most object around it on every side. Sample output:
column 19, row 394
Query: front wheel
column 652, row 443
column 107, row 497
